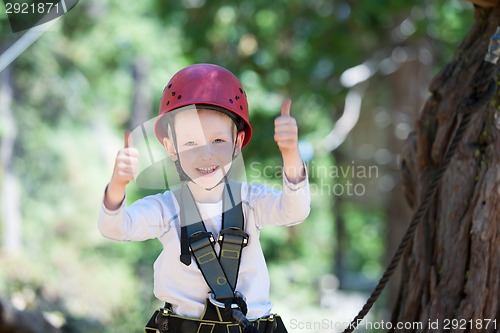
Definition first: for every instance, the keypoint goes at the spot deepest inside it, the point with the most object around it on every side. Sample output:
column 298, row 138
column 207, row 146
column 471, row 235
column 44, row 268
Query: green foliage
column 73, row 95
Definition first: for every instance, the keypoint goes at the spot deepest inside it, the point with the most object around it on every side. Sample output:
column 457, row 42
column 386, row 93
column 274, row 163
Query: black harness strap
column 220, row 272
column 202, row 247
column 232, row 238
column 165, row 321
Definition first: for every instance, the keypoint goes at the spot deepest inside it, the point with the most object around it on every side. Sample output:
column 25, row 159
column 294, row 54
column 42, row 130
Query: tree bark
column 452, row 268
column 406, row 86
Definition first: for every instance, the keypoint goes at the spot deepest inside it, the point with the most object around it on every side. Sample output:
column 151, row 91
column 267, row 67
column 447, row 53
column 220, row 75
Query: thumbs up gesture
column 286, row 131
column 126, row 164
column 286, row 135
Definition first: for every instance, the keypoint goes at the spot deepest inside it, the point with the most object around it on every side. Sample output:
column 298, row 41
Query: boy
column 203, row 124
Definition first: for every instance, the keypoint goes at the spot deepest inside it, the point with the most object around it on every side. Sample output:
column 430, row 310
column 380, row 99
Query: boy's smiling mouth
column 207, row 170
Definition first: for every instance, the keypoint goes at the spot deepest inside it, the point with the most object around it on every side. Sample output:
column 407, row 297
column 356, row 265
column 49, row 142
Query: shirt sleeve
column 147, row 218
column 285, row 207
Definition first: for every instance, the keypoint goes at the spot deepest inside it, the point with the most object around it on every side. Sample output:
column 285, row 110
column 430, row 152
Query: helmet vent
column 205, row 85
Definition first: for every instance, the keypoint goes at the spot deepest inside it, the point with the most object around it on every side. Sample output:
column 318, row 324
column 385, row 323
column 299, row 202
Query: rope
column 485, row 89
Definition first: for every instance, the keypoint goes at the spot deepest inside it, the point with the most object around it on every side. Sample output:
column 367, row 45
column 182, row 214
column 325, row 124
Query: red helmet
column 205, row 84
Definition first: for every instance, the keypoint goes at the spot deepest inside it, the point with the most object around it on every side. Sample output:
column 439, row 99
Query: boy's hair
column 168, row 122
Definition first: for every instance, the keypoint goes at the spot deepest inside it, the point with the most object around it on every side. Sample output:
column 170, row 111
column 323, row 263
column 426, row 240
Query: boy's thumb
column 285, row 107
column 126, row 136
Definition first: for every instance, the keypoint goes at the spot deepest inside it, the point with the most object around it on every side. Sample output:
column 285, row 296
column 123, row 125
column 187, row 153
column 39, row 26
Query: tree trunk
column 452, row 269
column 406, row 86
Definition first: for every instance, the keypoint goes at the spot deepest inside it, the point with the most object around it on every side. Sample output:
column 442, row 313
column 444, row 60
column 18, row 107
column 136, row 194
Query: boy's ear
column 239, row 142
column 170, row 148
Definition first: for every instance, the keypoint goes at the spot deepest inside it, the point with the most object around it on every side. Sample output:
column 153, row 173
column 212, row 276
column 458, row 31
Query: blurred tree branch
column 10, row 196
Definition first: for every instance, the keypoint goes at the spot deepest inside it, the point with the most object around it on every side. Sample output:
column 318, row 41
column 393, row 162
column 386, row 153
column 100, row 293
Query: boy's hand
column 286, row 135
column 126, row 165
column 286, row 131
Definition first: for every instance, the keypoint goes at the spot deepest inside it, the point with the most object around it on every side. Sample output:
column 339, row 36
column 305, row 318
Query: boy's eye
column 219, row 141
column 190, row 143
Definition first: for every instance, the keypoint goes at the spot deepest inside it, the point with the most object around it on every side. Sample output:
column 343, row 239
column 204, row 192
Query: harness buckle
column 166, row 310
column 215, row 302
column 200, row 239
column 234, row 304
column 233, row 235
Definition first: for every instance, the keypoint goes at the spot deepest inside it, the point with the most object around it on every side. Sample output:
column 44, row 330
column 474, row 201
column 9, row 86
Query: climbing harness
column 225, row 308
column 165, row 320
column 483, row 90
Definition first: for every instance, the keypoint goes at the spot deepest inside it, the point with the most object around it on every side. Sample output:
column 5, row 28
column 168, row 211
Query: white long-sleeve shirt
column 157, row 216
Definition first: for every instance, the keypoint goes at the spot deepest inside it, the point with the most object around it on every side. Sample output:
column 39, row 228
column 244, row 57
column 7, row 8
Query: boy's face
column 205, row 144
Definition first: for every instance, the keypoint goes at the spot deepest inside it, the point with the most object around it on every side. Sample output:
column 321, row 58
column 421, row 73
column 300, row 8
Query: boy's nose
column 206, row 152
